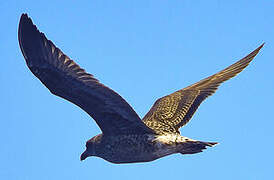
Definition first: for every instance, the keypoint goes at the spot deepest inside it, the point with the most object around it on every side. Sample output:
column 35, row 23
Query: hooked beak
column 84, row 155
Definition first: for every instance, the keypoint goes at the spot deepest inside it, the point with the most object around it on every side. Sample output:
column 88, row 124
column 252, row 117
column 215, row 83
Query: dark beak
column 83, row 156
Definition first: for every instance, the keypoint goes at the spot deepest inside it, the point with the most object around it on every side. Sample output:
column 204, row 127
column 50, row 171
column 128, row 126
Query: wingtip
column 262, row 45
column 24, row 15
column 24, row 18
column 26, row 26
column 28, row 35
column 255, row 52
column 259, row 48
column 24, row 23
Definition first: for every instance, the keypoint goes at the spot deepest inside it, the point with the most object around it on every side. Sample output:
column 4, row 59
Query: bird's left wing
column 64, row 78
column 171, row 112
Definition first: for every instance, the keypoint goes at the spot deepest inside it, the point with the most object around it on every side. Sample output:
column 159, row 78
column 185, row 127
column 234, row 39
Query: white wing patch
column 170, row 139
column 169, row 144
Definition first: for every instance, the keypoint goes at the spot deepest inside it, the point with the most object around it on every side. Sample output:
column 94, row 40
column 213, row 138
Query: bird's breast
column 137, row 148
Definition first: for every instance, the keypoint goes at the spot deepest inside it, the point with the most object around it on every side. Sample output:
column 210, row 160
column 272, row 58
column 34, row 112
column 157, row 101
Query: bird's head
column 91, row 147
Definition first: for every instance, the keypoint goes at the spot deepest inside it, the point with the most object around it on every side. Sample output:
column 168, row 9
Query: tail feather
column 192, row 147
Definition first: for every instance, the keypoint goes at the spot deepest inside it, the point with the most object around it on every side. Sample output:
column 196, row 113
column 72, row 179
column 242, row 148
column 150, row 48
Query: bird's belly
column 136, row 149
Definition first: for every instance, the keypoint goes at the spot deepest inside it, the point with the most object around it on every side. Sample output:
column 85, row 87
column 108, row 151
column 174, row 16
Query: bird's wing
column 171, row 112
column 64, row 78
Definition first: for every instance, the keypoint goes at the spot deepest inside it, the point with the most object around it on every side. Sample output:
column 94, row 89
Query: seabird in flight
column 125, row 138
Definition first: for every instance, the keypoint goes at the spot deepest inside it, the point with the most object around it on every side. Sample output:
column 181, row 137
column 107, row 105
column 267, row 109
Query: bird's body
column 125, row 138
column 125, row 148
column 142, row 148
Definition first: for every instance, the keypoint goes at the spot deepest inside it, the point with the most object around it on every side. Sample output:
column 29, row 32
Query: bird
column 125, row 137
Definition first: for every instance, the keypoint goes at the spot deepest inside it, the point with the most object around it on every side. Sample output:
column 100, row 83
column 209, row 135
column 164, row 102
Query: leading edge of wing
column 64, row 78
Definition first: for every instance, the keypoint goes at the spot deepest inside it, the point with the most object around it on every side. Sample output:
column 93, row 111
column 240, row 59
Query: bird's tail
column 192, row 146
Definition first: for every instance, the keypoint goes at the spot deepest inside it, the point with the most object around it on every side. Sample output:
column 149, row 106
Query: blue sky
column 144, row 50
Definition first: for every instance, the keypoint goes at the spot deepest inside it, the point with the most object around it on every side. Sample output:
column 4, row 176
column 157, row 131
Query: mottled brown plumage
column 171, row 112
column 125, row 137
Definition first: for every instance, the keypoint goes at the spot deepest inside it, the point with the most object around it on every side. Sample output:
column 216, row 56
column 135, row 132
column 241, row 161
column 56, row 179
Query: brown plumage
column 125, row 137
column 176, row 109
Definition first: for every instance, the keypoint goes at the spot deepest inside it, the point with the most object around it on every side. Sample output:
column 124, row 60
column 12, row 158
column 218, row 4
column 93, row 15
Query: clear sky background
column 142, row 49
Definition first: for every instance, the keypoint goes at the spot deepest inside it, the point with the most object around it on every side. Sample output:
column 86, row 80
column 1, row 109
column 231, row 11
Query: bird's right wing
column 64, row 78
column 171, row 112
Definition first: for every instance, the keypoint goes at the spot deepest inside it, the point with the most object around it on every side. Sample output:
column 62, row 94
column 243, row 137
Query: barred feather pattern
column 171, row 112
